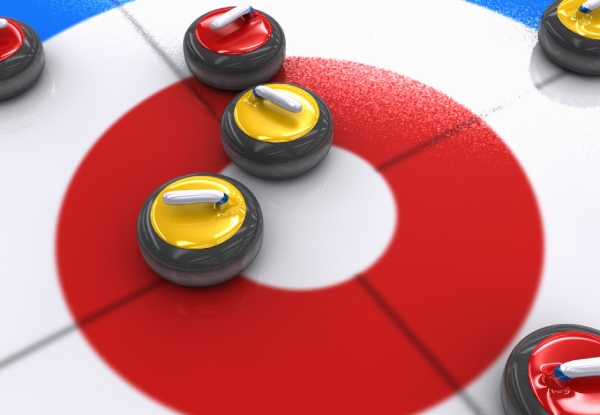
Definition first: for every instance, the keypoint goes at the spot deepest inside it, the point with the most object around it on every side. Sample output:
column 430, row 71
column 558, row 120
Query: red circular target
column 437, row 309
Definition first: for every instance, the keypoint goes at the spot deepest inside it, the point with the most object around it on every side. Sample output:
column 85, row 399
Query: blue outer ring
column 48, row 18
column 528, row 12
column 51, row 17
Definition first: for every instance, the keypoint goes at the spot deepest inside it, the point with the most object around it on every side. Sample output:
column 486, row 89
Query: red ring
column 469, row 238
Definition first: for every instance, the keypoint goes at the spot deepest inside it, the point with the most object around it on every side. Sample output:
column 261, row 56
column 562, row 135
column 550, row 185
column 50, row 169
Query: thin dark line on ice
column 61, row 333
column 183, row 75
column 550, row 80
column 414, row 339
column 429, row 143
column 460, row 127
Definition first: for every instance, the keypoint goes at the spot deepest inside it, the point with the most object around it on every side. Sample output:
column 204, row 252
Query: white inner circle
column 324, row 227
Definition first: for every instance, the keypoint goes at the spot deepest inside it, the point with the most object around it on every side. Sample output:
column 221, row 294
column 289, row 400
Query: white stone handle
column 589, row 5
column 233, row 14
column 578, row 369
column 277, row 98
column 188, row 197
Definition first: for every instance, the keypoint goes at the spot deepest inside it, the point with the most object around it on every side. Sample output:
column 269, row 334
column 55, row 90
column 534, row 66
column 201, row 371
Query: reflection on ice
column 563, row 86
column 27, row 108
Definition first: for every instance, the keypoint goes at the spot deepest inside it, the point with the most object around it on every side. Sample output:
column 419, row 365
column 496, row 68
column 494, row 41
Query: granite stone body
column 516, row 393
column 21, row 70
column 202, row 267
column 566, row 48
column 277, row 160
column 235, row 72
